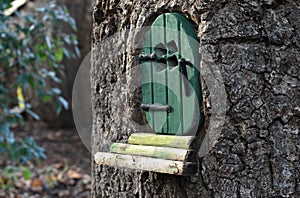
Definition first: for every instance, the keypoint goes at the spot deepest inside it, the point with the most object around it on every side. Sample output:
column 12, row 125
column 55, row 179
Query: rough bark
column 255, row 44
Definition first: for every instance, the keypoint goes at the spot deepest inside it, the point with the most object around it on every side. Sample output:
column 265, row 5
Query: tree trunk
column 255, row 46
column 80, row 10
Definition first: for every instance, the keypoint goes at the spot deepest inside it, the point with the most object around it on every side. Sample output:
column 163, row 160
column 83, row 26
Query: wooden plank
column 147, row 79
column 160, row 82
column 189, row 47
column 152, row 151
column 146, row 163
column 174, row 80
column 173, row 141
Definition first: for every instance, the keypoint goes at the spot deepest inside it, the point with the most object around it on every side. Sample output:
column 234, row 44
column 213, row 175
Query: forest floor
column 64, row 173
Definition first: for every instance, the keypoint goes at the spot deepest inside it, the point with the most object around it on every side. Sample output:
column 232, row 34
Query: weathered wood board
column 146, row 163
column 153, row 151
column 184, row 142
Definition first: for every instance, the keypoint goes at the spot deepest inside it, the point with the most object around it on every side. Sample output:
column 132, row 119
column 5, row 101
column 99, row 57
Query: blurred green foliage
column 32, row 47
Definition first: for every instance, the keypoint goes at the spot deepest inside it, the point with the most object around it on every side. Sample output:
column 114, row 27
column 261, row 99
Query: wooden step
column 146, row 163
column 150, row 139
column 154, row 151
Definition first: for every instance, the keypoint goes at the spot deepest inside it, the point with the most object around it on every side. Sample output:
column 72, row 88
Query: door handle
column 154, row 107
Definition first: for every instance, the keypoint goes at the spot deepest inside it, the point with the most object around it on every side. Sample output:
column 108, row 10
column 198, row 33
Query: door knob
column 154, row 107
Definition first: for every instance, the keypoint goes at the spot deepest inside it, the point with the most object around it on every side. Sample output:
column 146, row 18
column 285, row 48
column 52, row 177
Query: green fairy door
column 170, row 76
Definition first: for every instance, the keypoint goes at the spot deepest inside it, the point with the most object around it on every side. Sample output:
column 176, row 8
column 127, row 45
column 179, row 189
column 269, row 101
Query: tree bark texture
column 255, row 44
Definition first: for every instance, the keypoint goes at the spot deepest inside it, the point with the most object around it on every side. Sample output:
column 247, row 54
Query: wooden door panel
column 172, row 38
